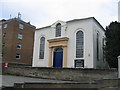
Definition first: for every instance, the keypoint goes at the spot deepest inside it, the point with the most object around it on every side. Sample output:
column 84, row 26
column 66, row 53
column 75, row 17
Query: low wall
column 73, row 74
column 105, row 84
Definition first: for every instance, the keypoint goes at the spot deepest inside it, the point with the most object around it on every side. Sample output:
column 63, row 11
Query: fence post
column 118, row 66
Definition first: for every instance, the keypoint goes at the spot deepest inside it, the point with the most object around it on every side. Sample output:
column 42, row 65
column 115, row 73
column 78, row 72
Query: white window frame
column 20, row 36
column 5, row 25
column 58, row 30
column 18, row 46
column 80, row 47
column 21, row 26
column 42, row 48
column 18, row 55
column 4, row 35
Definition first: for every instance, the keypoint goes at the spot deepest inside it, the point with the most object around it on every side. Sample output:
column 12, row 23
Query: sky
column 42, row 13
column 119, row 12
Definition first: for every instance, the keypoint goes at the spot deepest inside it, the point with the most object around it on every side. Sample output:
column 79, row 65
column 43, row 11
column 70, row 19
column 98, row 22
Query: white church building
column 76, row 43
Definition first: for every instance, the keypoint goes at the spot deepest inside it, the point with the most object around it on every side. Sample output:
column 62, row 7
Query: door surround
column 58, row 42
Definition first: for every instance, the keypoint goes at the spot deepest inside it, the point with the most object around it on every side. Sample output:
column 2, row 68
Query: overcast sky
column 45, row 12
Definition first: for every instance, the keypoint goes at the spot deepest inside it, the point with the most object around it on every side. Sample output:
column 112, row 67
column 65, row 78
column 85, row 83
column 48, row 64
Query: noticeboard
column 79, row 63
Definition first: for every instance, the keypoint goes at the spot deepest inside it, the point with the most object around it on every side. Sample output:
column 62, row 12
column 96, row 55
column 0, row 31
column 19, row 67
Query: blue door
column 58, row 59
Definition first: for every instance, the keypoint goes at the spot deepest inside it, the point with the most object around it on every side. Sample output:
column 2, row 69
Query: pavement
column 8, row 80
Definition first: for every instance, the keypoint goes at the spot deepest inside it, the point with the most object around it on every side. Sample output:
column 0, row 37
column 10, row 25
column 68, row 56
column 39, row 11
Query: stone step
column 101, row 84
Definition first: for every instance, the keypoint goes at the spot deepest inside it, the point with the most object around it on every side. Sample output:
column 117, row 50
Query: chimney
column 19, row 16
column 28, row 22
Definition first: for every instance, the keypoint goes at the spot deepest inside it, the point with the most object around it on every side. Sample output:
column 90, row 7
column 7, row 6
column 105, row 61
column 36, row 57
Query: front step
column 55, row 85
column 100, row 84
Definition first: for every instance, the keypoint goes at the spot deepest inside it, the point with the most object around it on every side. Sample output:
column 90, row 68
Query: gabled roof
column 44, row 27
column 86, row 19
column 78, row 20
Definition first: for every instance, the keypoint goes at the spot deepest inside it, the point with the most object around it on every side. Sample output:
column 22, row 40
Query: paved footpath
column 8, row 80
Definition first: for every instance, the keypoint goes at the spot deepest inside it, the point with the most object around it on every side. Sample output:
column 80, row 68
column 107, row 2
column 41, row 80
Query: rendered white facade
column 89, row 26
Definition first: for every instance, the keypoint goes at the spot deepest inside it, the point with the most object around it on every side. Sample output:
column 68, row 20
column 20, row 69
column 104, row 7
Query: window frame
column 18, row 45
column 42, row 48
column 97, row 46
column 80, row 45
column 20, row 36
column 5, row 26
column 21, row 26
column 58, row 30
column 3, row 44
column 4, row 35
column 18, row 55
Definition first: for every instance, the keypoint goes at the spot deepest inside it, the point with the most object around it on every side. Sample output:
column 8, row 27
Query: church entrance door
column 58, row 57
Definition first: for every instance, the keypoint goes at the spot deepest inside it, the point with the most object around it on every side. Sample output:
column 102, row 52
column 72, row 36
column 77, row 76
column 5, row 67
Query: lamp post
column 118, row 66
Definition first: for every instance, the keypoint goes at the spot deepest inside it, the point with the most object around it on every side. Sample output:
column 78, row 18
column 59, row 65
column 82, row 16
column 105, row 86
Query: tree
column 112, row 48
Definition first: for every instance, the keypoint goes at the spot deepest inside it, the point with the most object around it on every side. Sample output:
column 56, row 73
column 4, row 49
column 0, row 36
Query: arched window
column 42, row 47
column 79, row 44
column 58, row 30
column 97, row 46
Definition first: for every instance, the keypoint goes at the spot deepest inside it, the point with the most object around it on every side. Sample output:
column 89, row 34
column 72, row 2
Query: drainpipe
column 118, row 66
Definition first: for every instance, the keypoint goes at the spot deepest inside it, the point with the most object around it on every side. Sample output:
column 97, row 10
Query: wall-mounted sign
column 79, row 63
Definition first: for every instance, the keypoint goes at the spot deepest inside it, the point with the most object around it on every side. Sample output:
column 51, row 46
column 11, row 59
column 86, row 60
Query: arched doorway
column 53, row 44
column 58, row 57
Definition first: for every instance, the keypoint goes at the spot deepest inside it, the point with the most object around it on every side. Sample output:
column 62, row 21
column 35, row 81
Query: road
column 9, row 81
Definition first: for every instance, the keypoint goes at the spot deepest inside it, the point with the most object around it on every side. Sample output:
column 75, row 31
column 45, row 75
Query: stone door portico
column 58, row 42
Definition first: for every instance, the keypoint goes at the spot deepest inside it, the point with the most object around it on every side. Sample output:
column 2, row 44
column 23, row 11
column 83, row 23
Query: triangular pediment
column 61, row 22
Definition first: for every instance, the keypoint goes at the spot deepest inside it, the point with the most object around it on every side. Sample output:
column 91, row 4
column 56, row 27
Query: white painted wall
column 46, row 32
column 69, row 29
column 72, row 28
column 101, row 63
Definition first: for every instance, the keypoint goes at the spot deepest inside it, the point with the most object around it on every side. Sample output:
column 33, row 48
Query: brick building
column 17, row 41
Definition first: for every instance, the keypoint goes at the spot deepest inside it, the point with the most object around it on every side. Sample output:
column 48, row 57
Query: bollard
column 118, row 66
